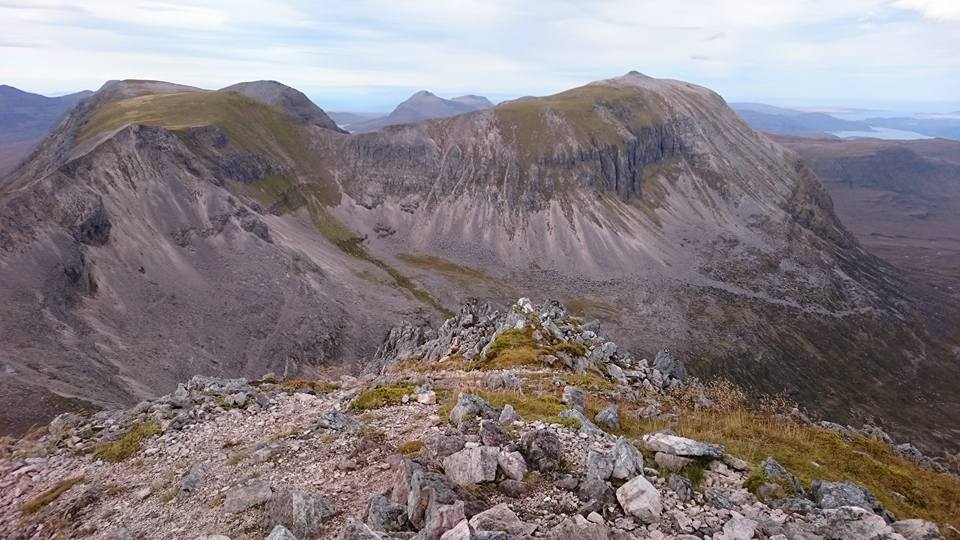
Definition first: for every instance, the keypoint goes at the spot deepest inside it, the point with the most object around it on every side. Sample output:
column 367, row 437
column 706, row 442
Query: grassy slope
column 624, row 107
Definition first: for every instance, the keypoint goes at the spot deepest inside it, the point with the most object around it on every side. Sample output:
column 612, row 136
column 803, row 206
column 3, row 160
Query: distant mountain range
column 421, row 106
column 26, row 118
column 791, row 122
column 784, row 121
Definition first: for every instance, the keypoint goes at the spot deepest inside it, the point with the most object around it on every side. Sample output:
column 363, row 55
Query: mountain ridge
column 646, row 201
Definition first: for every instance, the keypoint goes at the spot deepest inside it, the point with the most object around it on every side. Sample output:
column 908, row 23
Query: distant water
column 883, row 133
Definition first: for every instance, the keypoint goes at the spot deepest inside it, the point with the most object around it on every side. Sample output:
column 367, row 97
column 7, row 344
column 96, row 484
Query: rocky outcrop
column 562, row 341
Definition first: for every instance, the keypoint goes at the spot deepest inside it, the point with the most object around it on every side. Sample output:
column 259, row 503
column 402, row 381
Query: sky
column 367, row 55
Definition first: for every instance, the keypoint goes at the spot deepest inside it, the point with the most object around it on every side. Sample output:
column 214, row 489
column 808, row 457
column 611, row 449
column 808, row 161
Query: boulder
column 542, row 450
column 470, row 406
column 63, row 424
column 192, row 478
column 599, row 464
column 671, row 462
column 302, row 512
column 513, row 465
column 461, row 531
column 681, row 486
column 847, row 522
column 793, row 505
column 337, row 421
column 916, row 529
column 491, row 434
column 386, row 515
column 739, row 528
column 609, row 418
column 437, row 446
column 575, row 398
column 472, row 465
column 440, row 518
column 597, row 491
column 499, row 518
column 426, row 489
column 281, row 533
column 515, row 489
column 617, row 374
column 354, row 529
column 640, row 499
column 508, row 414
column 681, row 446
column 627, row 460
column 427, row 398
column 505, row 380
column 776, row 473
column 241, row 498
column 580, row 528
column 836, row 494
column 667, row 364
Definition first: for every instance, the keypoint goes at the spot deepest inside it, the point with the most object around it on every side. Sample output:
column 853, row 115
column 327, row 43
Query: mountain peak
column 287, row 98
column 425, row 105
column 423, row 94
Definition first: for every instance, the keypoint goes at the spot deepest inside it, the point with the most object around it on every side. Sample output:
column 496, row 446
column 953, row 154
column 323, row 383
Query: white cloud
column 946, row 10
column 820, row 49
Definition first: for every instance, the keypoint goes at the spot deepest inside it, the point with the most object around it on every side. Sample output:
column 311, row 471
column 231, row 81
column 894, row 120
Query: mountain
column 792, row 122
column 152, row 236
column 424, row 105
column 26, row 118
column 478, row 428
column 783, row 121
column 346, row 119
column 901, row 199
column 283, row 97
column 181, row 232
column 477, row 102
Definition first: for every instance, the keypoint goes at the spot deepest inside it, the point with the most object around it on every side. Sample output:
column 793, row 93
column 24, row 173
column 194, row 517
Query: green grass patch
column 128, row 444
column 754, row 435
column 455, row 273
column 572, row 349
column 529, row 121
column 512, row 348
column 589, row 381
column 410, row 447
column 351, row 244
column 316, row 386
column 528, row 405
column 41, row 501
column 571, row 423
column 695, row 471
column 249, row 126
column 381, row 396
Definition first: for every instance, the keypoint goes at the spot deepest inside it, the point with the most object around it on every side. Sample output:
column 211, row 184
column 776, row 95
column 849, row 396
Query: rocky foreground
column 510, row 425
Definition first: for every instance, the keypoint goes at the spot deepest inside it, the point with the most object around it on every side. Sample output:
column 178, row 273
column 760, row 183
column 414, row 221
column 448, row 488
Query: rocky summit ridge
column 507, row 424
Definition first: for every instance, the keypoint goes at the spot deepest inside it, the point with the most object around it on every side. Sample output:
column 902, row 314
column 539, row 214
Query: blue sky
column 370, row 54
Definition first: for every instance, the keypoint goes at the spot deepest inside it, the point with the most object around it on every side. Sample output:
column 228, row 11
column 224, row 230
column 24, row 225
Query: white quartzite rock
column 640, row 499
